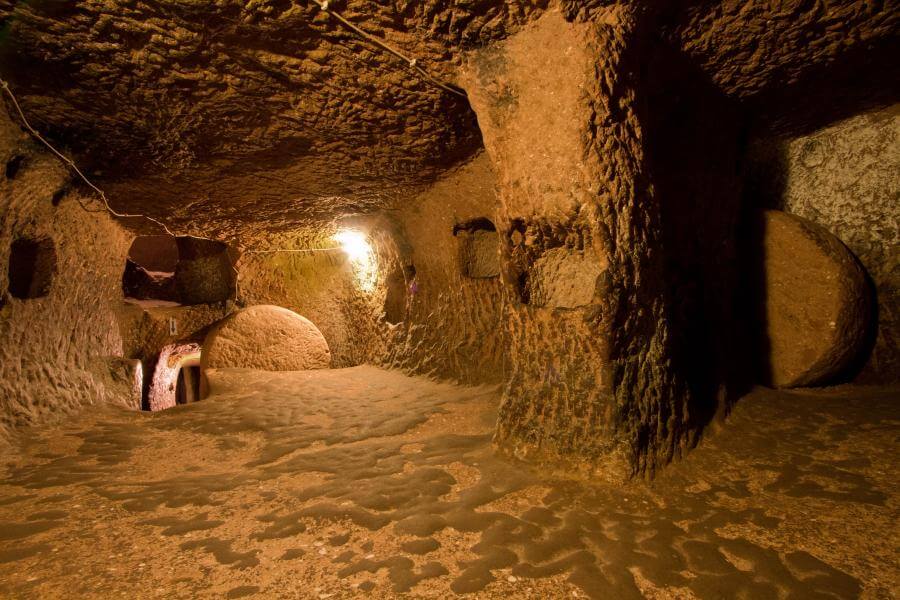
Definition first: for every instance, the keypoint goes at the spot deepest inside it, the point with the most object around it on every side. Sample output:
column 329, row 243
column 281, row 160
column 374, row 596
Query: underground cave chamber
column 355, row 299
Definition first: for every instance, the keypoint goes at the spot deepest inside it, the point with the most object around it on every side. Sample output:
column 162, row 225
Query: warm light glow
column 354, row 244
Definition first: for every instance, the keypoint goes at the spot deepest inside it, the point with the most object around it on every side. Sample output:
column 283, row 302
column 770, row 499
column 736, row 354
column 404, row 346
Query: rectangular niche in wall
column 397, row 289
column 205, row 271
column 479, row 248
column 182, row 270
column 32, row 264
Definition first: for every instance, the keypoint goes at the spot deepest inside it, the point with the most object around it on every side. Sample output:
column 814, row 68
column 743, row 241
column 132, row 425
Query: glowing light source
column 354, row 244
column 362, row 260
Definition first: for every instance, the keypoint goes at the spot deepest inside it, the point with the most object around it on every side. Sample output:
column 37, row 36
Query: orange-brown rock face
column 778, row 56
column 268, row 338
column 199, row 111
column 568, row 225
column 215, row 116
column 59, row 282
column 589, row 357
column 817, row 302
column 845, row 178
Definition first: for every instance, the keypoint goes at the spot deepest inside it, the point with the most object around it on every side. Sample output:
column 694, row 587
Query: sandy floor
column 367, row 483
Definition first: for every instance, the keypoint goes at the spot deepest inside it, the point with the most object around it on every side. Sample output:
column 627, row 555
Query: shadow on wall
column 693, row 142
column 858, row 81
column 798, row 306
column 32, row 265
column 813, row 307
column 398, row 284
column 479, row 248
column 182, row 270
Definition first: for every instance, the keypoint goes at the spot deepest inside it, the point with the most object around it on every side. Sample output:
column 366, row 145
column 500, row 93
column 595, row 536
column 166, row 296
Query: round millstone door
column 816, row 302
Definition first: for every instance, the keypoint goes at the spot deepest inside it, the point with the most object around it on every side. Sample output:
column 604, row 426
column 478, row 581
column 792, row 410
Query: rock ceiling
column 226, row 113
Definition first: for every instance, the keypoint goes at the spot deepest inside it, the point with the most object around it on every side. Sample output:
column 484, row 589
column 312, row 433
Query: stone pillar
column 591, row 384
column 205, row 271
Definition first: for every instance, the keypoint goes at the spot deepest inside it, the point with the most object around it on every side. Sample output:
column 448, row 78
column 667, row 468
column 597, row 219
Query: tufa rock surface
column 590, row 388
column 480, row 253
column 564, row 279
column 205, row 271
column 212, row 115
column 268, row 338
column 846, row 178
column 816, row 301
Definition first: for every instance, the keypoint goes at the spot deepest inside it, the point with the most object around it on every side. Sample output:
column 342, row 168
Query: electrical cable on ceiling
column 324, row 6
column 411, row 62
column 292, row 250
column 71, row 164
column 34, row 132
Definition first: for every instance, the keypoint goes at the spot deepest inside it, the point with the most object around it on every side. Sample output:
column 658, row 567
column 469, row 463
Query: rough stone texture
column 451, row 322
column 609, row 169
column 780, row 58
column 610, row 133
column 846, row 178
column 185, row 270
column 479, row 247
column 162, row 390
column 455, row 327
column 366, row 483
column 49, row 345
column 563, row 279
column 816, row 302
column 205, row 271
column 123, row 378
column 146, row 327
column 593, row 387
column 314, row 284
column 270, row 338
column 224, row 122
column 192, row 112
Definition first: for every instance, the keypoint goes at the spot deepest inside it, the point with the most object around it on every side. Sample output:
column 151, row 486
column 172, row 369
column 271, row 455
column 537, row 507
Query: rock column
column 591, row 384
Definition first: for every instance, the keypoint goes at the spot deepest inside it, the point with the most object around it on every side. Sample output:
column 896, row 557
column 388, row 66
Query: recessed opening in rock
column 13, row 165
column 479, row 248
column 449, row 299
column 187, row 388
column 397, row 292
column 32, row 266
column 179, row 270
column 173, row 379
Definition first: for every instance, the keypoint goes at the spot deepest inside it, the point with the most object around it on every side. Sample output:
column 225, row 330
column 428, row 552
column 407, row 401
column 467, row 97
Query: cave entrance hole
column 187, row 387
column 164, row 269
column 399, row 284
column 32, row 265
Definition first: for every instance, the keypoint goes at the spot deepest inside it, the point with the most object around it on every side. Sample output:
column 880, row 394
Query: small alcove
column 32, row 266
column 478, row 248
column 178, row 270
column 398, row 284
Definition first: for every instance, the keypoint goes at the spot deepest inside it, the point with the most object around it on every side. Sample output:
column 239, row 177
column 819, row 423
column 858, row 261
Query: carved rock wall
column 454, row 329
column 846, row 177
column 314, row 284
column 53, row 348
column 448, row 324
column 588, row 385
